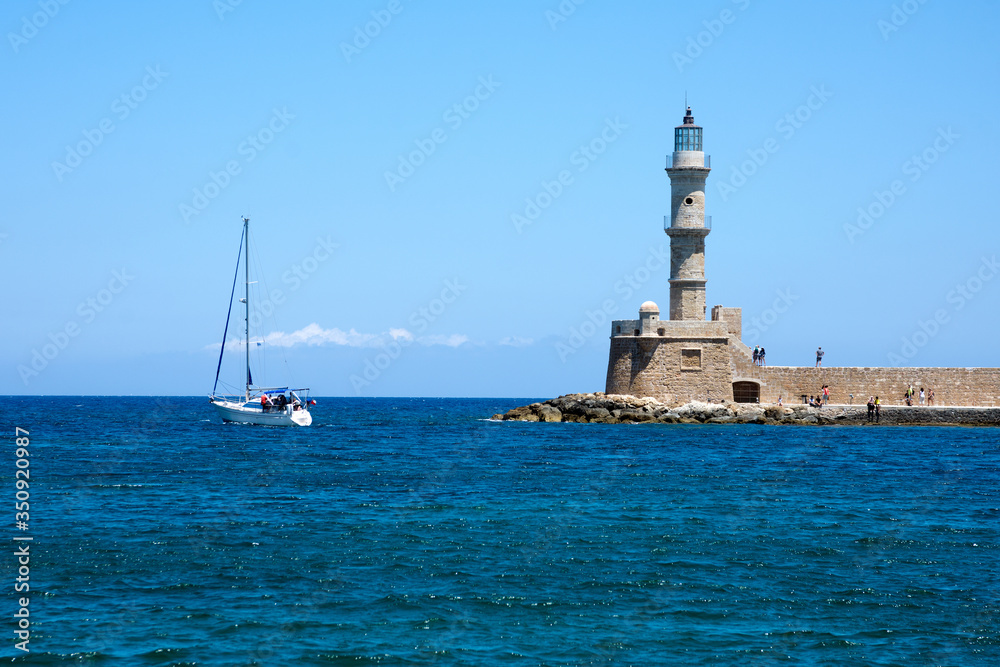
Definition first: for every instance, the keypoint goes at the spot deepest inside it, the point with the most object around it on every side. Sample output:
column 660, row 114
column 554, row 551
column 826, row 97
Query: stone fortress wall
column 676, row 362
column 979, row 387
column 684, row 363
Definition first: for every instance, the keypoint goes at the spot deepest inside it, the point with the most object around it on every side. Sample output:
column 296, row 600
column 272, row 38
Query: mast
column 246, row 300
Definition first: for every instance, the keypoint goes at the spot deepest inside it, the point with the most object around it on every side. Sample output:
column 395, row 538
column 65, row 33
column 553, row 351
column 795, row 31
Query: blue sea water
column 417, row 532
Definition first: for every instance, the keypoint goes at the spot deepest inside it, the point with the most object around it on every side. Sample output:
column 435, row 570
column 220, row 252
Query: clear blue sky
column 118, row 116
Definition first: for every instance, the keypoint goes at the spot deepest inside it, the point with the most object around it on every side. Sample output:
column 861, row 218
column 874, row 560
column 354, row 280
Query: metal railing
column 707, row 163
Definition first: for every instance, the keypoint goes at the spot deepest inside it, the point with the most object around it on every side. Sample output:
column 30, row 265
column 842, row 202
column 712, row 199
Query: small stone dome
column 649, row 307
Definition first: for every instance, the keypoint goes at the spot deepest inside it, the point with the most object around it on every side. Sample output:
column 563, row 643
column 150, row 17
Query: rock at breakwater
column 600, row 408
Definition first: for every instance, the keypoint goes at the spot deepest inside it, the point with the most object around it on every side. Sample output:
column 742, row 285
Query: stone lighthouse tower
column 686, row 227
column 685, row 357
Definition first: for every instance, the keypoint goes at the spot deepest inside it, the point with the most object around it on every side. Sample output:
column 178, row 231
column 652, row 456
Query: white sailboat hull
column 250, row 413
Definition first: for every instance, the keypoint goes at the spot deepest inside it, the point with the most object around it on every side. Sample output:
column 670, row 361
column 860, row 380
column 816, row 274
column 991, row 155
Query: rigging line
column 230, row 312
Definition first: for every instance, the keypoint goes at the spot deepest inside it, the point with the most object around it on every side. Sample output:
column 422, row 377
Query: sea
column 416, row 531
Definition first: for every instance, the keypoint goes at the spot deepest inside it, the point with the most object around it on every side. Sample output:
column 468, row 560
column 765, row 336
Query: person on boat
column 265, row 402
column 281, row 401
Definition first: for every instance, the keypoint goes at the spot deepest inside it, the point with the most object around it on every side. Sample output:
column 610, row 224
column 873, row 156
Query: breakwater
column 601, row 408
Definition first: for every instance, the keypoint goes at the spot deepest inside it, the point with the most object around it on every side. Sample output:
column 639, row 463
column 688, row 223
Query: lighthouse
column 684, row 357
column 687, row 168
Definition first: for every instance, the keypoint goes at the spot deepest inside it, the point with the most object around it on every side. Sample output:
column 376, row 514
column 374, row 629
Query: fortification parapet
column 733, row 317
column 625, row 328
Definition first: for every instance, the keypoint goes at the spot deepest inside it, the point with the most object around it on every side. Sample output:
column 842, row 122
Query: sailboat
column 270, row 406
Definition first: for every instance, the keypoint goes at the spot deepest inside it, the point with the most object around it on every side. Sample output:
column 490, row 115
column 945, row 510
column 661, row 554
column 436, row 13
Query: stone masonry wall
column 624, row 327
column 663, row 367
column 733, row 317
column 687, row 303
column 952, row 386
column 690, row 361
column 687, row 184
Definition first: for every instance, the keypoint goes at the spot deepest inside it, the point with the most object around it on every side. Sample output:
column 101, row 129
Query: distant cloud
column 401, row 334
column 454, row 340
column 314, row 334
column 516, row 341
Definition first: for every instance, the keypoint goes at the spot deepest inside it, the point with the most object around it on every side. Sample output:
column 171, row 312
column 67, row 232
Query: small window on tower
column 689, row 201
